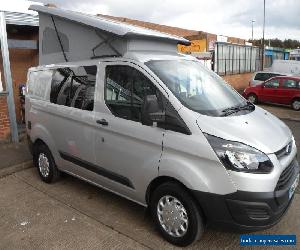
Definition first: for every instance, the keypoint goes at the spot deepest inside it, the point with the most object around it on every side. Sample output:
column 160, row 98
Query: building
column 273, row 53
column 22, row 37
column 295, row 54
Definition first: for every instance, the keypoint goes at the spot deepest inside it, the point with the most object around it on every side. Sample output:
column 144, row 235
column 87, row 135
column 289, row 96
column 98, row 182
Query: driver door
column 128, row 151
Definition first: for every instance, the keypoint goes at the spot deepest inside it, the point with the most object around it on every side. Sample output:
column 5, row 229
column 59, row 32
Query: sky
column 222, row 17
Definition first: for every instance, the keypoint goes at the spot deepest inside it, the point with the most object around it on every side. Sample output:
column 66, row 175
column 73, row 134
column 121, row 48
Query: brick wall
column 20, row 61
column 238, row 81
column 4, row 120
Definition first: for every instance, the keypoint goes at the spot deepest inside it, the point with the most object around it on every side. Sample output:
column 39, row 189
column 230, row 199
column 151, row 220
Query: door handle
column 102, row 122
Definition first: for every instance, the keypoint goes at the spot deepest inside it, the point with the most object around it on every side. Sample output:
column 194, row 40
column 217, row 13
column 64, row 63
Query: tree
column 287, row 43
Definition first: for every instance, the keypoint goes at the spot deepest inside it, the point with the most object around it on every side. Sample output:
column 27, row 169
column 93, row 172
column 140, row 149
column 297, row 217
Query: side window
column 272, row 84
column 262, row 76
column 74, row 87
column 38, row 82
column 125, row 91
column 288, row 83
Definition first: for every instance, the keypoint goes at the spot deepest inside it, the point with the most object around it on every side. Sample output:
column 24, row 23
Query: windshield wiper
column 232, row 110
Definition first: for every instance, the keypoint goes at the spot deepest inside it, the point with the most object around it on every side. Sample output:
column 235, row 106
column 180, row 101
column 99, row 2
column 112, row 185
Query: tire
column 174, row 193
column 45, row 164
column 252, row 98
column 296, row 104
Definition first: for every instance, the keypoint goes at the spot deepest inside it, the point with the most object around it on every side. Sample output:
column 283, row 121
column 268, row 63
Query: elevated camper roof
column 107, row 25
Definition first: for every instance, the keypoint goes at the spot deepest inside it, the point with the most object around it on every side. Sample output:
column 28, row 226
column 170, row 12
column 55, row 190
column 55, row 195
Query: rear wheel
column 252, row 98
column 45, row 164
column 176, row 214
column 296, row 104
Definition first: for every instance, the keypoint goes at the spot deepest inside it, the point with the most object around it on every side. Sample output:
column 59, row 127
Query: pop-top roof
column 114, row 27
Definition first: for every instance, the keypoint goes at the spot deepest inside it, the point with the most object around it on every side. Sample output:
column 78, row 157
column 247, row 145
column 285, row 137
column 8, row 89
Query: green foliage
column 287, row 43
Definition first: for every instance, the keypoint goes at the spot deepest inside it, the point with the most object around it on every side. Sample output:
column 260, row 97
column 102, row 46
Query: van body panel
column 259, row 129
column 124, row 156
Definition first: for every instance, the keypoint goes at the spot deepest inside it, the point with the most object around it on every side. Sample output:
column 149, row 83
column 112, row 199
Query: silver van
column 167, row 133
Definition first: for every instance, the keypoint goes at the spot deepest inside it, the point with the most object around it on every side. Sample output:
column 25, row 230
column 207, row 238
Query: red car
column 280, row 89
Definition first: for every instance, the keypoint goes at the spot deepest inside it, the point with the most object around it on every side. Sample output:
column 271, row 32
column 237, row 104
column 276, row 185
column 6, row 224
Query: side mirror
column 152, row 111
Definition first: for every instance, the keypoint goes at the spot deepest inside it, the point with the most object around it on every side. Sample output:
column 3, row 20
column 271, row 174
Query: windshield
column 197, row 87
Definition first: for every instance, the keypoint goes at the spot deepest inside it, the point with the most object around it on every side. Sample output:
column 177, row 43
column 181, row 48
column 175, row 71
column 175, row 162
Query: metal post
column 263, row 39
column 252, row 21
column 8, row 79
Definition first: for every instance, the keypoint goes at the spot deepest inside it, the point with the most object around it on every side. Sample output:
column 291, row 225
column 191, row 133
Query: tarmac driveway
column 72, row 214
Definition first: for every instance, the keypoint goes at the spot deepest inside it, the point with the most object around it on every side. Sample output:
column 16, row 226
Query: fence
column 236, row 59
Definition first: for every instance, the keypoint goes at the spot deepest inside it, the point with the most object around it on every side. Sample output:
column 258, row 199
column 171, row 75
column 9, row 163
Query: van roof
column 136, row 56
column 108, row 25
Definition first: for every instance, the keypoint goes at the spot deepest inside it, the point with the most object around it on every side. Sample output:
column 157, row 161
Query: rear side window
column 265, row 76
column 290, row 84
column 74, row 87
column 38, row 83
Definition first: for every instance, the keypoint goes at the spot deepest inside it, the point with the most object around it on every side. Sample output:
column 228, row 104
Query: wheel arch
column 39, row 134
column 156, row 182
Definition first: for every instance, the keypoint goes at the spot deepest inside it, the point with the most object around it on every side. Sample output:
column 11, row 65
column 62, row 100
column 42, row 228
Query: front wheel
column 252, row 98
column 296, row 104
column 176, row 214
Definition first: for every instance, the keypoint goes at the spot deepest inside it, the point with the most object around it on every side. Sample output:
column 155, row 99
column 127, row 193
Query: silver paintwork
column 254, row 82
column 172, row 216
column 44, row 166
column 143, row 153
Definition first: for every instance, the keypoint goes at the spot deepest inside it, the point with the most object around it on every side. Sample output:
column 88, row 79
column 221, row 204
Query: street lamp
column 252, row 22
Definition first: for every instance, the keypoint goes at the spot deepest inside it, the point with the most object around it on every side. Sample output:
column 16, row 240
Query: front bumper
column 246, row 210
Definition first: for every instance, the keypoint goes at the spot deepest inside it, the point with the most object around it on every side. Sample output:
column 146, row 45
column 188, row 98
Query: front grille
column 286, row 176
column 286, row 150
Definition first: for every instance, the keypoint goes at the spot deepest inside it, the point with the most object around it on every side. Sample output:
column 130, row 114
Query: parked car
column 281, row 90
column 167, row 133
column 262, row 76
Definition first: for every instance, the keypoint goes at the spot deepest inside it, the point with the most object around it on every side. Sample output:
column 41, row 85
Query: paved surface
column 72, row 214
column 13, row 154
column 282, row 112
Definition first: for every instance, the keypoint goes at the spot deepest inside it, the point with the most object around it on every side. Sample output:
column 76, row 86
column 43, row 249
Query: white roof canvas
column 72, row 36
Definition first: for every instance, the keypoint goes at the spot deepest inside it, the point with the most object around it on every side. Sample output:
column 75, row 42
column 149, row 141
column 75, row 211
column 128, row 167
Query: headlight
column 240, row 157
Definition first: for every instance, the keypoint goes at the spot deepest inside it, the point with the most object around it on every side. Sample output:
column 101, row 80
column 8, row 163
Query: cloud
column 231, row 18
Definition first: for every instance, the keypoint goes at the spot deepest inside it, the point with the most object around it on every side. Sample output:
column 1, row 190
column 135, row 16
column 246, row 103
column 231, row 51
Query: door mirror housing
column 152, row 111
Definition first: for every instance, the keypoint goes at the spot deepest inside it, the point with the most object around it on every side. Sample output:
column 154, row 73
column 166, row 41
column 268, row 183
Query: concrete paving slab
column 13, row 154
column 30, row 219
column 124, row 217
